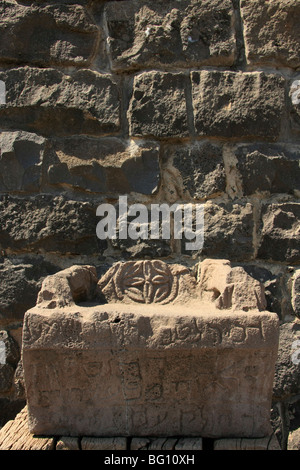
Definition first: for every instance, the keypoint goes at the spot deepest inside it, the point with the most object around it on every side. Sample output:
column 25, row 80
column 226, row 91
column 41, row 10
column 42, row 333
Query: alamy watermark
column 158, row 221
column 2, row 353
column 295, row 356
column 2, row 92
column 295, row 92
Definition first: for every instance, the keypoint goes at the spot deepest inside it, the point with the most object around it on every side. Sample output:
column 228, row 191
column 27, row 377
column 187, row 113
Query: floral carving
column 141, row 281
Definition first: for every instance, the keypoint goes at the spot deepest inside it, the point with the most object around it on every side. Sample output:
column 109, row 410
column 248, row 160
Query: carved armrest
column 67, row 287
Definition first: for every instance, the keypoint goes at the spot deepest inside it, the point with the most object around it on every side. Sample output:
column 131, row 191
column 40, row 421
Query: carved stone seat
column 164, row 353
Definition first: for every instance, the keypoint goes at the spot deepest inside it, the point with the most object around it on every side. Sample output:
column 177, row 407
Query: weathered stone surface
column 272, row 168
column 287, row 371
column 44, row 222
column 273, row 284
column 9, row 357
column 138, row 241
column 62, row 2
column 189, row 444
column 46, row 100
column 140, row 443
column 228, row 229
column 200, row 167
column 192, row 89
column 147, row 282
column 162, row 444
column 240, row 104
column 230, row 287
column 152, row 34
column 136, row 249
column 296, row 293
column 20, row 282
column 158, row 105
column 21, row 158
column 265, row 443
column 294, row 96
column 280, row 233
column 15, row 435
column 157, row 282
column 43, row 35
column 67, row 443
column 156, row 371
column 10, row 406
column 65, row 288
column 271, row 32
column 19, row 386
column 102, row 443
column 108, row 165
column 6, row 377
column 294, row 440
column 10, row 349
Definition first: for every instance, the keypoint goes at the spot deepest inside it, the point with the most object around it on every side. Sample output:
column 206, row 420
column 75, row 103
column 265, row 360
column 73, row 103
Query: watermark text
column 160, row 221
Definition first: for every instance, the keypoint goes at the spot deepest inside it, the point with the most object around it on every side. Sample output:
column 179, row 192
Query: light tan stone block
column 294, row 440
column 104, row 443
column 67, row 443
column 68, row 286
column 230, row 287
column 15, row 435
column 149, row 370
column 265, row 443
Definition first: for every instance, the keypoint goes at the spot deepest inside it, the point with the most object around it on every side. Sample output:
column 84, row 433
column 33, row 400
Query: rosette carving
column 143, row 282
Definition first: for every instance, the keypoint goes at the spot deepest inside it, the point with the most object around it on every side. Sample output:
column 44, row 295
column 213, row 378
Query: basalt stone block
column 21, row 158
column 237, row 104
column 149, row 368
column 274, row 291
column 107, row 165
column 280, row 235
column 158, row 105
column 271, row 32
column 9, row 356
column 48, row 34
column 6, row 378
column 169, row 34
column 272, row 168
column 62, row 2
column 46, row 223
column 20, row 282
column 142, row 244
column 50, row 102
column 200, row 167
column 131, row 249
column 228, row 231
column 287, row 369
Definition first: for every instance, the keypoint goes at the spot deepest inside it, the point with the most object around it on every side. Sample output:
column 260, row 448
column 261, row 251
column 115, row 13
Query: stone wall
column 164, row 101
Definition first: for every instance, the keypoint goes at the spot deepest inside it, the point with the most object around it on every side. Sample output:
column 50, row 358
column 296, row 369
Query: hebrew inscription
column 150, row 361
column 133, row 369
